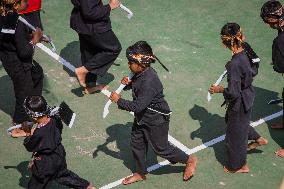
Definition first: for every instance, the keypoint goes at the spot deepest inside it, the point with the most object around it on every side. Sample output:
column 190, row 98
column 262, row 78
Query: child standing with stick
column 272, row 13
column 239, row 97
column 152, row 114
column 17, row 49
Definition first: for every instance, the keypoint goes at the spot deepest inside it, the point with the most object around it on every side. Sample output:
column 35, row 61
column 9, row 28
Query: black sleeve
column 32, row 142
column 146, row 94
column 280, row 45
column 128, row 87
column 25, row 50
column 233, row 91
column 94, row 10
column 58, row 122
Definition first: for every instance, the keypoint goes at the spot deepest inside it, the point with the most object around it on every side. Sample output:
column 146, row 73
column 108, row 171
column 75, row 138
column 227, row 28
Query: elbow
column 29, row 149
column 230, row 96
column 138, row 109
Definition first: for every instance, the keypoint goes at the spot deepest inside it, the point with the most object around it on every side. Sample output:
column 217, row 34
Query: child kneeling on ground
column 49, row 162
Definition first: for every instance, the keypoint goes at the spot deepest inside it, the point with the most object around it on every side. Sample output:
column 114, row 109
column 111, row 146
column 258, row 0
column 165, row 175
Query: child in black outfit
column 99, row 45
column 49, row 162
column 152, row 114
column 239, row 97
column 17, row 48
column 272, row 13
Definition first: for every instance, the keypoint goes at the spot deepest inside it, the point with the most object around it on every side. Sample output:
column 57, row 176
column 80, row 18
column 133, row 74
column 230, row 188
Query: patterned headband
column 231, row 38
column 141, row 59
column 275, row 16
column 34, row 114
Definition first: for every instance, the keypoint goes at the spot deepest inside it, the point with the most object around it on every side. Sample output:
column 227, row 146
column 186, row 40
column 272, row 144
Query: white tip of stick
column 105, row 114
column 129, row 12
column 129, row 16
column 72, row 120
column 209, row 97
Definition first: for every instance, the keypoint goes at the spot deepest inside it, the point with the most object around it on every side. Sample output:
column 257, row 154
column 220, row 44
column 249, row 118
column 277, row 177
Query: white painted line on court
column 193, row 150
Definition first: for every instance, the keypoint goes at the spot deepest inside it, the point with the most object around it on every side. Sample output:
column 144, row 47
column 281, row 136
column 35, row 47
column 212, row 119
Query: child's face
column 135, row 68
column 273, row 25
column 23, row 5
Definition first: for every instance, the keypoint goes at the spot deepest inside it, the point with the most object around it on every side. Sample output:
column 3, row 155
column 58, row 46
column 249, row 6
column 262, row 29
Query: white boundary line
column 170, row 138
column 193, row 150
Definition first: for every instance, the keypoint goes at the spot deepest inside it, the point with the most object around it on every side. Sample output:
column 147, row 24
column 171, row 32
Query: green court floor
column 185, row 36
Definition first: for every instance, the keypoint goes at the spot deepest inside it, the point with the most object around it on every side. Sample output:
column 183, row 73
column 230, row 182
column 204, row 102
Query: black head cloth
column 272, row 11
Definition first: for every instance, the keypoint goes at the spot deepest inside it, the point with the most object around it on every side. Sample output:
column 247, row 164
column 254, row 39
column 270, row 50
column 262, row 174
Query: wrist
column 221, row 89
column 110, row 6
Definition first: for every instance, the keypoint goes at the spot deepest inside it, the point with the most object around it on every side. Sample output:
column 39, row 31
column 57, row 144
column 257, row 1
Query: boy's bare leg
column 190, row 168
column 243, row 169
column 280, row 152
column 81, row 73
column 133, row 178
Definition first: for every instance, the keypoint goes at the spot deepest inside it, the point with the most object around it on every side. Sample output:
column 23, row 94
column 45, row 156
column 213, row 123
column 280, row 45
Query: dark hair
column 231, row 35
column 269, row 10
column 141, row 52
column 7, row 5
column 36, row 104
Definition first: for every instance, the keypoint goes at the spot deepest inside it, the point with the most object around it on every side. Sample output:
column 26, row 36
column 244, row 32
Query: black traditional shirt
column 278, row 52
column 240, row 77
column 90, row 16
column 45, row 143
column 17, row 43
column 147, row 92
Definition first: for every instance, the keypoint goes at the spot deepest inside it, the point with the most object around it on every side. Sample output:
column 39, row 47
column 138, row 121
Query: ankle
column 262, row 141
column 143, row 176
column 192, row 159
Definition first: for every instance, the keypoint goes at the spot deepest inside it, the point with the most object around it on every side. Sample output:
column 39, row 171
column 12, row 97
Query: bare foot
column 190, row 168
column 259, row 142
column 18, row 133
column 244, row 169
column 91, row 90
column 277, row 126
column 134, row 178
column 280, row 153
column 81, row 73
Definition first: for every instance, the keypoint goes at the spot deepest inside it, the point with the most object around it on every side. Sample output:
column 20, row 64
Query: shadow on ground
column 22, row 168
column 120, row 134
column 213, row 125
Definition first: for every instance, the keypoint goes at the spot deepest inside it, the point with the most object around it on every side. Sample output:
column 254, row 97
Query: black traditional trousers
column 157, row 137
column 238, row 132
column 98, row 53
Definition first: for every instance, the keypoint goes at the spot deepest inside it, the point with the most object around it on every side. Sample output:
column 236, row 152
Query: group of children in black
column 99, row 48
